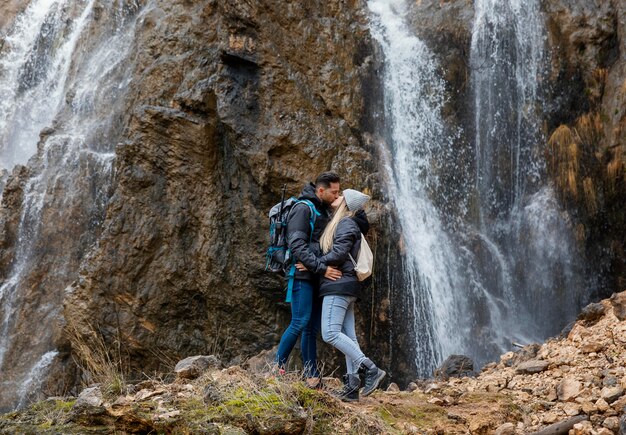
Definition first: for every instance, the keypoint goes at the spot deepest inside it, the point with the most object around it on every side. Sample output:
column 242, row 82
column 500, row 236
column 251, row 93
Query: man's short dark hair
column 325, row 178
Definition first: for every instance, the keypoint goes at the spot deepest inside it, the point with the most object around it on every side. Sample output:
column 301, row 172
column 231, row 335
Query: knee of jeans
column 329, row 336
column 299, row 323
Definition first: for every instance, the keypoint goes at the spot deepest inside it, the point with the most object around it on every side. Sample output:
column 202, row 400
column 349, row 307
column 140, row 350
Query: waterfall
column 416, row 136
column 65, row 70
column 479, row 280
column 519, row 215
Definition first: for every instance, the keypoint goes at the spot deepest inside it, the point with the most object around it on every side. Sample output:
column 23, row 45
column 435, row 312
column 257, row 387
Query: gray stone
column 89, row 397
column 592, row 313
column 618, row 302
column 532, row 366
column 411, row 387
column 611, row 423
column 455, row 366
column 393, row 387
column 611, row 394
column 194, row 366
column 506, row 429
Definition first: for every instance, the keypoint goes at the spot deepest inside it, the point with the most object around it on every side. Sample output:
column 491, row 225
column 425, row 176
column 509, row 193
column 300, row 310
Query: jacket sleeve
column 364, row 221
column 298, row 237
column 345, row 237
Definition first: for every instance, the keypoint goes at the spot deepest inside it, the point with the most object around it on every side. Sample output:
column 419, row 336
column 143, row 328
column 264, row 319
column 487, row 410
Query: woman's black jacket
column 347, row 240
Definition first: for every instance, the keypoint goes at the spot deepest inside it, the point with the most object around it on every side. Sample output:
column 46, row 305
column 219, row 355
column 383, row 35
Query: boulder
column 618, row 302
column 455, row 366
column 506, row 429
column 393, row 388
column 568, row 389
column 592, row 313
column 194, row 366
column 611, row 394
column 532, row 366
column 89, row 397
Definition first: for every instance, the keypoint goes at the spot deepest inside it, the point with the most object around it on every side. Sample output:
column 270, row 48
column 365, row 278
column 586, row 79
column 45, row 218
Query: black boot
column 351, row 385
column 372, row 377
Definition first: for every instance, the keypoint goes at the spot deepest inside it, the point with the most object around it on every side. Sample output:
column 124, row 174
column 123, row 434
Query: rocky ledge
column 573, row 385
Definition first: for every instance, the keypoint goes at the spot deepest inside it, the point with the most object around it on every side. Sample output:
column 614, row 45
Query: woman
column 340, row 240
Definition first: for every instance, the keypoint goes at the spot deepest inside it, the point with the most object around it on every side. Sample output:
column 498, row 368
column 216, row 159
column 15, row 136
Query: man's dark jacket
column 305, row 248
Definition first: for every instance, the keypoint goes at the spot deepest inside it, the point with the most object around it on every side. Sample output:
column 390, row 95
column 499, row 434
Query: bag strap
column 352, row 260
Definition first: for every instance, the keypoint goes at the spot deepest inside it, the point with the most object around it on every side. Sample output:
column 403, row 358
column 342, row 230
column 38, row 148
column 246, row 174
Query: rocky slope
column 575, row 383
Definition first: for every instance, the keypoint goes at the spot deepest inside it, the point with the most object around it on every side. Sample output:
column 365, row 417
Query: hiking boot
column 373, row 376
column 350, row 391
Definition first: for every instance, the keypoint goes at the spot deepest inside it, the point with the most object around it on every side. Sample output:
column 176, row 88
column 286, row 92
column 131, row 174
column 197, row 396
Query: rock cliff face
column 232, row 100
column 227, row 102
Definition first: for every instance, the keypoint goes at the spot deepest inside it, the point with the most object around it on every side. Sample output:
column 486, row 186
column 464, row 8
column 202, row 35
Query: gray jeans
column 338, row 329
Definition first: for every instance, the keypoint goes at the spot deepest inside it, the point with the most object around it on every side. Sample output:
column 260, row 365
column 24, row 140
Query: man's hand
column 332, row 273
column 301, row 267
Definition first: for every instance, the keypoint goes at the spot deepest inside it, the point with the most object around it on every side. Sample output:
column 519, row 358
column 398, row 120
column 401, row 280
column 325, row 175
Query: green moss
column 423, row 416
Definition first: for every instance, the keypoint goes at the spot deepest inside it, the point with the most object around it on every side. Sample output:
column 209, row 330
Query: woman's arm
column 345, row 237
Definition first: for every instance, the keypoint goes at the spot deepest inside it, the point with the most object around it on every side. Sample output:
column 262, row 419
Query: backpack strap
column 292, row 269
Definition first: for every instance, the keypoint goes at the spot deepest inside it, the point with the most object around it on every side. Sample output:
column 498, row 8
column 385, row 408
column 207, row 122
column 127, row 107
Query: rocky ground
column 573, row 384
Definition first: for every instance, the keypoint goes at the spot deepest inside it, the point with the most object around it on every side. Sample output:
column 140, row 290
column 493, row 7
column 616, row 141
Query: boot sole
column 380, row 378
column 343, row 399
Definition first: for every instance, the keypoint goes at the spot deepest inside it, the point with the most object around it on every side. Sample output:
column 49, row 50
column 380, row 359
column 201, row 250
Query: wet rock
column 591, row 313
column 455, row 366
column 194, row 366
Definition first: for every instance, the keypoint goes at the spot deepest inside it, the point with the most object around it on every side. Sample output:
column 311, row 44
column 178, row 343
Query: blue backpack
column 278, row 256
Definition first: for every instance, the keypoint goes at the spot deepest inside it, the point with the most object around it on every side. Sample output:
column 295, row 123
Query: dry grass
column 590, row 196
column 563, row 160
column 99, row 363
column 588, row 127
column 574, row 158
column 615, row 172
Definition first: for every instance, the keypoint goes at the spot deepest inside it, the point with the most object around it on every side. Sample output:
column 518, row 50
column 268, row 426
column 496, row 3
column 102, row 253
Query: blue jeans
column 305, row 320
column 338, row 329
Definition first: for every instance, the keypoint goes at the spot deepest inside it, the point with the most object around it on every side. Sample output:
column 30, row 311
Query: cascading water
column 477, row 280
column 64, row 74
column 519, row 217
column 416, row 134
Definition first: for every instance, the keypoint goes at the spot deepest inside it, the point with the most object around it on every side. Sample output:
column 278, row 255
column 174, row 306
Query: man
column 303, row 242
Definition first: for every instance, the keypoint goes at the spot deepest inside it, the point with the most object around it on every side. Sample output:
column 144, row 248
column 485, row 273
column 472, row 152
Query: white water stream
column 416, row 134
column 64, row 74
column 509, row 276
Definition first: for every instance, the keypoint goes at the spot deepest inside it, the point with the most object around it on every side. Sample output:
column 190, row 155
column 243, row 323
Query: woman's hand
column 301, row 267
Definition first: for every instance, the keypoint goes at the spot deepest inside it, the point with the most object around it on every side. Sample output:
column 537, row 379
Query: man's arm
column 298, row 237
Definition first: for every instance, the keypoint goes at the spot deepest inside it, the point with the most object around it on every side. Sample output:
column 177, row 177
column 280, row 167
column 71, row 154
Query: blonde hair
column 326, row 241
